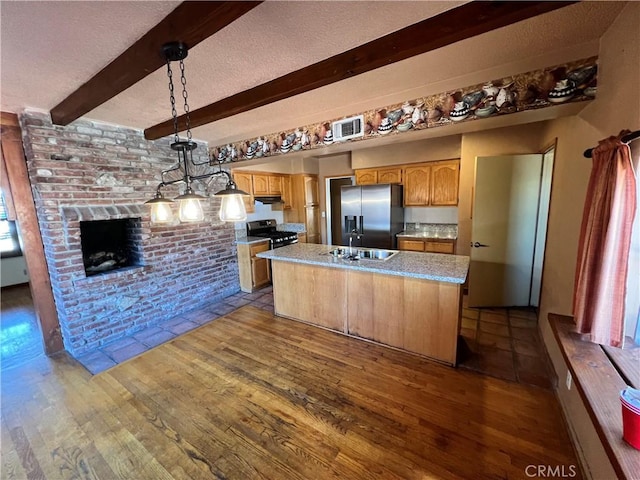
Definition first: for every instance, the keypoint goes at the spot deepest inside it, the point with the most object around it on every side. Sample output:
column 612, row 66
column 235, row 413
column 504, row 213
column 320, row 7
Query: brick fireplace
column 92, row 172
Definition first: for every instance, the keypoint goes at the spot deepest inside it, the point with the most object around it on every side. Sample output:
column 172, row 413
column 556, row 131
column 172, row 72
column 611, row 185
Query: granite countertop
column 250, row 240
column 427, row 266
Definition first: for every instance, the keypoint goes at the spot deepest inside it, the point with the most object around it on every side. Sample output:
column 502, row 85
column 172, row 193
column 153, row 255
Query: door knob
column 478, row 245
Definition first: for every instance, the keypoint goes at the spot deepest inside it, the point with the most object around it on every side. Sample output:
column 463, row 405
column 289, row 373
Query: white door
column 505, row 210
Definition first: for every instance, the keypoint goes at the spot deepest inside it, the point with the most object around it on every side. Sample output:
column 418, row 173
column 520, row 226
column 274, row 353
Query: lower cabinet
column 302, row 238
column 254, row 272
column 429, row 245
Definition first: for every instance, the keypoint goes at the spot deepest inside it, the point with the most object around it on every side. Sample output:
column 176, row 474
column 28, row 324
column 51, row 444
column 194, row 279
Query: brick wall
column 94, row 171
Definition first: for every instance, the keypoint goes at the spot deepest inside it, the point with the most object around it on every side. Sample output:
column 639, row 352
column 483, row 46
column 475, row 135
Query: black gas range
column 267, row 229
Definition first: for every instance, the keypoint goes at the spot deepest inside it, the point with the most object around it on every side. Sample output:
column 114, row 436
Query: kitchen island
column 411, row 301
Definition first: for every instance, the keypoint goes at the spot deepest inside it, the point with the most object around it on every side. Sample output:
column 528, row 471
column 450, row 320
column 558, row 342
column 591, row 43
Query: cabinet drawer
column 258, row 247
column 411, row 245
column 439, row 247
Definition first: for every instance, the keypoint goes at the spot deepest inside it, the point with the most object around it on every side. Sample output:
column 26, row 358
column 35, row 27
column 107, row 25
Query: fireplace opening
column 109, row 245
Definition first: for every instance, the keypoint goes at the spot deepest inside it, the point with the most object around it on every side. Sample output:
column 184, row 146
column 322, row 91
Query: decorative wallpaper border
column 570, row 82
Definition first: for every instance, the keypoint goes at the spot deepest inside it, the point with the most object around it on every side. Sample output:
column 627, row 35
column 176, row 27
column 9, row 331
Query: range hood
column 268, row 199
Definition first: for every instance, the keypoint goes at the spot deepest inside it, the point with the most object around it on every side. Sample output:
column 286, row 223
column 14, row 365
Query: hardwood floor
column 20, row 335
column 255, row 396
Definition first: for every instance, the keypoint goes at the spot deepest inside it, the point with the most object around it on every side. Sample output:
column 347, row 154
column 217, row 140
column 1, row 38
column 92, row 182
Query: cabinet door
column 260, row 272
column 390, row 175
column 260, row 184
column 444, row 183
column 302, row 238
column 412, row 245
column 311, row 196
column 243, row 182
column 275, row 185
column 312, row 221
column 417, row 182
column 286, row 193
column 439, row 247
column 366, row 177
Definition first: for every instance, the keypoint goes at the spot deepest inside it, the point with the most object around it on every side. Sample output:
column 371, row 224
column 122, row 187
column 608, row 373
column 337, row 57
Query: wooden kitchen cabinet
column 444, row 183
column 275, row 185
column 254, row 272
column 417, row 185
column 266, row 184
column 302, row 237
column 371, row 176
column 244, row 182
column 286, row 192
column 306, row 205
column 410, row 245
column 428, row 245
column 433, row 184
column 366, row 176
column 390, row 175
column 260, row 185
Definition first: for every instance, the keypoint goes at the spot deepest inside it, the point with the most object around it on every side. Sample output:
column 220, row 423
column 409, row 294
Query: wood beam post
column 14, row 164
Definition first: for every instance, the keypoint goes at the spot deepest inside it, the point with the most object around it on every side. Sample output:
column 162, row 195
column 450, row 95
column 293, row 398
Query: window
column 9, row 242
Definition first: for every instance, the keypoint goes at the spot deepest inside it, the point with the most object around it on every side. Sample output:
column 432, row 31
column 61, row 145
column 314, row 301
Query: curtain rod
column 628, row 138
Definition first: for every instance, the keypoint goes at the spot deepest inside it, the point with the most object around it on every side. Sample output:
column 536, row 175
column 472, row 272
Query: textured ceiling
column 48, row 49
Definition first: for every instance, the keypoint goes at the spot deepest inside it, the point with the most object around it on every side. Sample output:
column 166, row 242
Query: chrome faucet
column 351, row 234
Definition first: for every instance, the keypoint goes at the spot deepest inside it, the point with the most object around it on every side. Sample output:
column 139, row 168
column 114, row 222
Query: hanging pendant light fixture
column 190, row 209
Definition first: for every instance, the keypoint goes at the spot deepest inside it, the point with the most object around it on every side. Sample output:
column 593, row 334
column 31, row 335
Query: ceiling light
column 190, row 209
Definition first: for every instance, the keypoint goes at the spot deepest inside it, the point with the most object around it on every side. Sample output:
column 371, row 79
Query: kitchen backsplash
column 431, row 215
column 291, row 227
column 436, row 230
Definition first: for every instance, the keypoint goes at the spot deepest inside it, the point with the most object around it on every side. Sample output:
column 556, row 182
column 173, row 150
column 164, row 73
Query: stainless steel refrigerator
column 372, row 215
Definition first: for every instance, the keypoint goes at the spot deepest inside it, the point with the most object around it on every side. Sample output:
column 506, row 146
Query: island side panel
column 432, row 318
column 420, row 316
column 310, row 293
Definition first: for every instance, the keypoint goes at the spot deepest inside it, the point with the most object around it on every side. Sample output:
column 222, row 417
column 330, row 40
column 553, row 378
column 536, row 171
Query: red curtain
column 605, row 238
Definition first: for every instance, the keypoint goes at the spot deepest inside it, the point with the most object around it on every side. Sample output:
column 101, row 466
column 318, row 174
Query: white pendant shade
column 190, row 210
column 232, row 209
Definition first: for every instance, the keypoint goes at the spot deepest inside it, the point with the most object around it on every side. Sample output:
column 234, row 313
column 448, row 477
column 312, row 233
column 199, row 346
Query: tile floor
column 139, row 342
column 504, row 343
column 499, row 342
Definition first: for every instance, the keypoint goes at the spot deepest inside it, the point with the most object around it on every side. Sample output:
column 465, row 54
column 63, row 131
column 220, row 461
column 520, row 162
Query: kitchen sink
column 376, row 254
column 364, row 253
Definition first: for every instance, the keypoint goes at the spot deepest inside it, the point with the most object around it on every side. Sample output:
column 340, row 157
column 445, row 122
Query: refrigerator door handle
column 361, row 225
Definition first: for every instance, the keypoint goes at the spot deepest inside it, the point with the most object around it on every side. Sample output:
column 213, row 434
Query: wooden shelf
column 599, row 384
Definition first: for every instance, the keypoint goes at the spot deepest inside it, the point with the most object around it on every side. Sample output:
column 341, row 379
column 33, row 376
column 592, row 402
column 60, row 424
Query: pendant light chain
column 183, row 79
column 174, row 113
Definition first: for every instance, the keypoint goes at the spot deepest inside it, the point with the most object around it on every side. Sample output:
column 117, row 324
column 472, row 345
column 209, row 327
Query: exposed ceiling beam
column 454, row 25
column 190, row 23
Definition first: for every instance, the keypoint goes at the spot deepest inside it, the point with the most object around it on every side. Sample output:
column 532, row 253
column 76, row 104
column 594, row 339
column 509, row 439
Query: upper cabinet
column 390, row 175
column 425, row 184
column 287, row 200
column 266, row 184
column 371, row 176
column 417, row 186
column 244, row 182
column 368, row 176
column 445, row 178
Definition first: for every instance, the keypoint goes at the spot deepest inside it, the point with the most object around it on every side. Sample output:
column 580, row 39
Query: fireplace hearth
column 109, row 245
